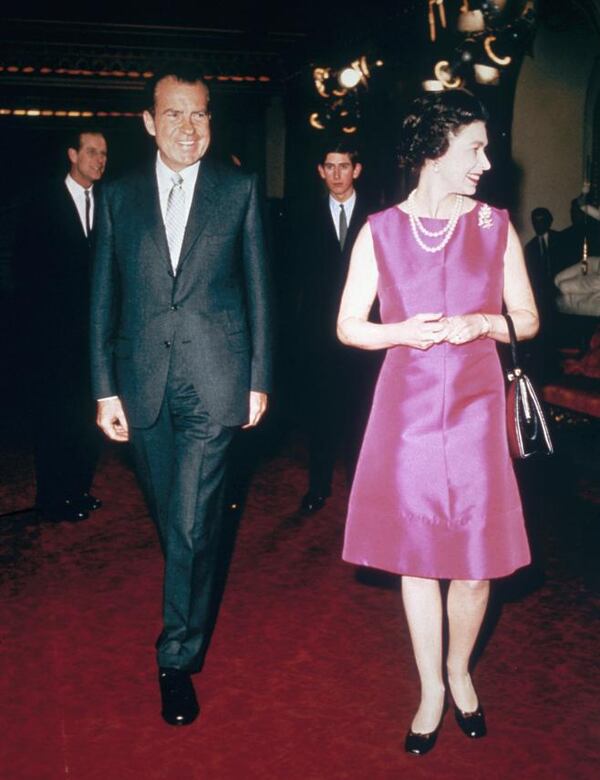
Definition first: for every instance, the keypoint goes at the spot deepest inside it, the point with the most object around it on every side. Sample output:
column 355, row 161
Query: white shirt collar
column 75, row 188
column 164, row 174
column 334, row 210
column 348, row 205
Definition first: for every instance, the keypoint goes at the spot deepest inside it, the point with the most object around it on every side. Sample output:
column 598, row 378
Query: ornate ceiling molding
column 47, row 63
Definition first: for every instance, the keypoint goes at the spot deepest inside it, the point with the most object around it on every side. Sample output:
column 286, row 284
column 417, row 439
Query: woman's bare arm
column 353, row 327
column 518, row 298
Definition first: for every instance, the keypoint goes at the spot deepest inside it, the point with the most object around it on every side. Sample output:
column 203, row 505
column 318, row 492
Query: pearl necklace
column 446, row 231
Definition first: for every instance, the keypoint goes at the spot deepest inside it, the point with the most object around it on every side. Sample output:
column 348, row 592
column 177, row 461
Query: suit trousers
column 336, row 408
column 66, row 442
column 181, row 462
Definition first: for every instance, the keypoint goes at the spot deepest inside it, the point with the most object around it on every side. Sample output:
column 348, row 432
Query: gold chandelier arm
column 442, row 12
column 431, row 20
column 442, row 73
column 487, row 45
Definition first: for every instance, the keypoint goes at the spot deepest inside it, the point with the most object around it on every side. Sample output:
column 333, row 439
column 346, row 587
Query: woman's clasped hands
column 424, row 330
column 466, row 327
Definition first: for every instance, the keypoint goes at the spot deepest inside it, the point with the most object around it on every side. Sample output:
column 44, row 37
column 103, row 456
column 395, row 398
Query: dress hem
column 497, row 574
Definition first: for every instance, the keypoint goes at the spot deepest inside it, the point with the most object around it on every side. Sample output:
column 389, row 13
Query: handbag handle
column 513, row 341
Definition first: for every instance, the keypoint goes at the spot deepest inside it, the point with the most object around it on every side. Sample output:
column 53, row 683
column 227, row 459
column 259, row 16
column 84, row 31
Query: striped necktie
column 175, row 219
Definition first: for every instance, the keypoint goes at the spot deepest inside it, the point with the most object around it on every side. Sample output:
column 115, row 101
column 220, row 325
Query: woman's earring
column 436, row 166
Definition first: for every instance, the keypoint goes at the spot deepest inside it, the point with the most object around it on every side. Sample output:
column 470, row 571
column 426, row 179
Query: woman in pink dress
column 434, row 495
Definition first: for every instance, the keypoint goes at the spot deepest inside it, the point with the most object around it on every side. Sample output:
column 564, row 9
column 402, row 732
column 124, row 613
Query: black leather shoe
column 179, row 703
column 66, row 511
column 471, row 723
column 419, row 744
column 89, row 503
column 311, row 503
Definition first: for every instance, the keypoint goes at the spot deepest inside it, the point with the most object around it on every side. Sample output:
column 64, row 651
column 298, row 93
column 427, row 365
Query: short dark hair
column 73, row 138
column 186, row 73
column 541, row 211
column 430, row 120
column 340, row 146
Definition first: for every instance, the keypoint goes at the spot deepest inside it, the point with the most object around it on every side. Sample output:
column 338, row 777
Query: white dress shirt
column 77, row 192
column 165, row 183
column 334, row 208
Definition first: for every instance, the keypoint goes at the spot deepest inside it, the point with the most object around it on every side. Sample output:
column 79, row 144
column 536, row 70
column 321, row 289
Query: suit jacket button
column 174, row 307
column 167, row 344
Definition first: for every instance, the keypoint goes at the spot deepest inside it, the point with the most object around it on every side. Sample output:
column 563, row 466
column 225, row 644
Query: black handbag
column 528, row 432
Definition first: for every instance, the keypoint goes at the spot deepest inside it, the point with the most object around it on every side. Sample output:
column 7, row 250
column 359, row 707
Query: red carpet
column 309, row 675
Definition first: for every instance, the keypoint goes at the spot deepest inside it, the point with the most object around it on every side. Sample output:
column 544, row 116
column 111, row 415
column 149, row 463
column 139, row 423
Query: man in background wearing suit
column 181, row 351
column 542, row 253
column 333, row 376
column 544, row 261
column 52, row 269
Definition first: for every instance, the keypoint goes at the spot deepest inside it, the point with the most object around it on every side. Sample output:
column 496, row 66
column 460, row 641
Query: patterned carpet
column 309, row 675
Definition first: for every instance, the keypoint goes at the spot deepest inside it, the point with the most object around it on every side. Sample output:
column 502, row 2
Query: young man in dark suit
column 544, row 261
column 334, row 378
column 181, row 351
column 52, row 267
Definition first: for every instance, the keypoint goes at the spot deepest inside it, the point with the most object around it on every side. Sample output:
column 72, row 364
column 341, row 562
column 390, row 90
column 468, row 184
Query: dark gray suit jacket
column 322, row 270
column 214, row 311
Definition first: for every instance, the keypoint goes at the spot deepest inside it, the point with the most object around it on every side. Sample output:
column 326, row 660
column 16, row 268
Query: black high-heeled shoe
column 471, row 723
column 419, row 744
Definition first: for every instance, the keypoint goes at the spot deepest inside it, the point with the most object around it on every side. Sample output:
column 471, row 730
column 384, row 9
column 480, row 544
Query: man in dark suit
column 542, row 251
column 584, row 226
column 181, row 351
column 543, row 260
column 52, row 268
column 334, row 377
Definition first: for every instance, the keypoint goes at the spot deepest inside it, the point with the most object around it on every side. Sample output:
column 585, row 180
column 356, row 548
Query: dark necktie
column 343, row 227
column 88, row 206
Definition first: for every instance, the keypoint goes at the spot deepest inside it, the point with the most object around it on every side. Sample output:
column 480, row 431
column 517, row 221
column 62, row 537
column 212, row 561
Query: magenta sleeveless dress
column 434, row 493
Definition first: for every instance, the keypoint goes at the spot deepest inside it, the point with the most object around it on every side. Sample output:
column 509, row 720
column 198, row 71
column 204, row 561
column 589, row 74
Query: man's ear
column 149, row 123
column 357, row 171
column 72, row 155
column 321, row 171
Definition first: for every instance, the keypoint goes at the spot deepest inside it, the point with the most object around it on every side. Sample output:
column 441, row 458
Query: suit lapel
column 72, row 222
column 151, row 214
column 356, row 221
column 328, row 226
column 201, row 209
column 355, row 224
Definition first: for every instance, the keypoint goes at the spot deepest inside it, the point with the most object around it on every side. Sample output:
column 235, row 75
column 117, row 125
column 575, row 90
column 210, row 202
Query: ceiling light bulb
column 486, row 74
column 349, row 78
column 433, row 85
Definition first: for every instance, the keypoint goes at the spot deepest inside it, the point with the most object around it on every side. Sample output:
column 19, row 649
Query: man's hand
column 258, row 406
column 111, row 419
